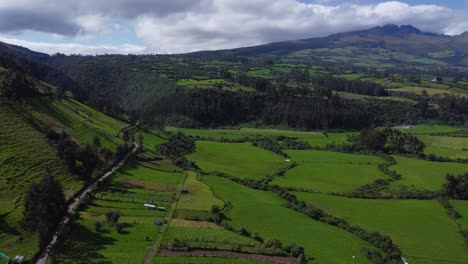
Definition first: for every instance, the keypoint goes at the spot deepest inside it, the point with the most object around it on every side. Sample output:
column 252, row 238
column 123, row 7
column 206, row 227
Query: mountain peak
column 395, row 30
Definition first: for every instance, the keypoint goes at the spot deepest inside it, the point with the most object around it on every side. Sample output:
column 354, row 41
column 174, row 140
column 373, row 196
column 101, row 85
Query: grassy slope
column 78, row 119
column 326, row 171
column 262, row 212
column 200, row 196
column 420, row 228
column 451, row 147
column 241, row 160
column 24, row 153
column 425, row 174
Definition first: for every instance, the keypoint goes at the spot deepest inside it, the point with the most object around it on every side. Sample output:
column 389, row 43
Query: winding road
column 42, row 259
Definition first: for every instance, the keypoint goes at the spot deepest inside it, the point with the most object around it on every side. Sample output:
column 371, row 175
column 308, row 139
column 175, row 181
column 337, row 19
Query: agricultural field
column 24, row 154
column 199, row 196
column 429, row 91
column 213, row 83
column 233, row 159
column 81, row 121
column 426, row 175
column 328, row 172
column 462, row 208
column 250, row 206
column 446, row 146
column 136, row 184
column 405, row 221
column 203, row 260
column 314, row 138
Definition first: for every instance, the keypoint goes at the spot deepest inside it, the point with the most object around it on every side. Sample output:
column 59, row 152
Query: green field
column 422, row 229
column 427, row 175
column 263, row 212
column 462, row 208
column 327, row 172
column 433, row 129
column 451, row 147
column 24, row 154
column 86, row 245
column 241, row 160
column 203, row 260
column 210, row 238
column 212, row 83
column 199, row 196
column 81, row 121
column 313, row 138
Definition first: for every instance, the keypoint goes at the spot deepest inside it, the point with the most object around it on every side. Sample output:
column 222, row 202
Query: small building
column 150, row 206
column 160, row 208
column 404, row 261
column 185, row 191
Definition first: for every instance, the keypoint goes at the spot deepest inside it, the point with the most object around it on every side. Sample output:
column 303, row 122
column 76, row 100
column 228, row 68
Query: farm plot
column 412, row 224
column 241, row 160
column 263, row 212
column 327, row 172
column 214, row 238
column 445, row 146
column 203, row 260
column 462, row 208
column 90, row 242
column 426, row 175
column 199, row 196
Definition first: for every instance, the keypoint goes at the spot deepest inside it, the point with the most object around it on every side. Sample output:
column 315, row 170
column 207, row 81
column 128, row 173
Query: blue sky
column 175, row 26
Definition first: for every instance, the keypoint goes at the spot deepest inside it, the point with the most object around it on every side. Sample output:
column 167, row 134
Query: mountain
column 405, row 38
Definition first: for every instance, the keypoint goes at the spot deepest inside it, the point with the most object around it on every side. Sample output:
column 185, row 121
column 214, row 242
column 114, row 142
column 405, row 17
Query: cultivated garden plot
column 412, row 224
column 130, row 238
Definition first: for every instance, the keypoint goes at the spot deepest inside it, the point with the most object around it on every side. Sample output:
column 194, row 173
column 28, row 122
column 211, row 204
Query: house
column 160, row 208
column 403, row 260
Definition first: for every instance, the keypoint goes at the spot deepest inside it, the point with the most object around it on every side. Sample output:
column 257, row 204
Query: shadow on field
column 5, row 227
column 83, row 246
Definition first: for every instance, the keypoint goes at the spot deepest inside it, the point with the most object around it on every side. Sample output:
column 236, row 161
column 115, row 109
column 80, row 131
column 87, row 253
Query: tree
column 44, row 206
column 140, row 139
column 112, row 217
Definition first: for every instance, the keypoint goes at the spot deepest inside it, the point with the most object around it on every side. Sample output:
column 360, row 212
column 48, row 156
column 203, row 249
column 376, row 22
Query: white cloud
column 173, row 26
column 238, row 23
column 75, row 48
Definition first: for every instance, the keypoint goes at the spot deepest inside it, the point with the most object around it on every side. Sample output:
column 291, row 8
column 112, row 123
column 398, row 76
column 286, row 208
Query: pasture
column 412, row 224
column 241, row 160
column 263, row 212
column 199, row 196
column 213, row 83
column 426, row 175
column 462, row 208
column 446, row 146
column 327, row 171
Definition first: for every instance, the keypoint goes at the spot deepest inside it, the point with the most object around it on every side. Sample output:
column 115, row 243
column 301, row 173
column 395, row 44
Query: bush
column 112, row 217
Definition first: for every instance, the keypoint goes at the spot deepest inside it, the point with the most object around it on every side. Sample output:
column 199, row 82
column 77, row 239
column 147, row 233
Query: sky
column 178, row 26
